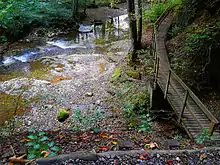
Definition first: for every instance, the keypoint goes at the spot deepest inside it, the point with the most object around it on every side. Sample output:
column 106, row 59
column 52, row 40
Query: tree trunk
column 75, row 7
column 139, row 22
column 132, row 23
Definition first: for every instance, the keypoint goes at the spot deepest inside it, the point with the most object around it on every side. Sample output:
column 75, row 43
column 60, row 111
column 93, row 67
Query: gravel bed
column 181, row 157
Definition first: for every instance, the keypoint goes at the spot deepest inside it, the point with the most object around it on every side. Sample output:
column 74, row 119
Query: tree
column 132, row 23
column 135, row 33
column 139, row 22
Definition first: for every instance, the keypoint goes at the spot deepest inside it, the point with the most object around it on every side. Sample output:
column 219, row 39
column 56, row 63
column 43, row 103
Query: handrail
column 195, row 98
column 202, row 107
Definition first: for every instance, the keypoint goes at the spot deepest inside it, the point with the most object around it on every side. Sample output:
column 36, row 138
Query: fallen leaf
column 142, row 157
column 97, row 140
column 45, row 154
column 152, row 145
column 114, row 143
column 103, row 135
column 59, row 136
column 10, row 163
column 25, row 140
column 147, row 139
column 103, row 149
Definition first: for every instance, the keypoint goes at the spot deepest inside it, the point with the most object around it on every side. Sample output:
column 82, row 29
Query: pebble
column 89, row 94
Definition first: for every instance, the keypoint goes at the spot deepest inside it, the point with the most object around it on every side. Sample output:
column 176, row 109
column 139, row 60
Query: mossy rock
column 134, row 74
column 62, row 115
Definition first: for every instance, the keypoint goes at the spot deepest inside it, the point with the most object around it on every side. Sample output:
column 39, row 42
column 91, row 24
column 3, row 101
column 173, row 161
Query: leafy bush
column 17, row 15
column 157, row 9
column 197, row 42
column 39, row 145
column 86, row 120
column 204, row 136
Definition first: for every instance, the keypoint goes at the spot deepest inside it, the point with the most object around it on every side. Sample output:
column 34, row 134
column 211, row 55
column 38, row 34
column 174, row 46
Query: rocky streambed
column 70, row 70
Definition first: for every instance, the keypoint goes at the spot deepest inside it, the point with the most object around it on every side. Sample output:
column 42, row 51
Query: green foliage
column 86, row 120
column 204, row 136
column 39, row 145
column 3, row 39
column 145, row 124
column 62, row 115
column 154, row 13
column 16, row 15
column 197, row 43
column 116, row 74
column 135, row 109
column 157, row 9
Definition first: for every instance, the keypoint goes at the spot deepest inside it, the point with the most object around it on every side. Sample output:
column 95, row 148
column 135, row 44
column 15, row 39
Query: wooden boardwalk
column 191, row 112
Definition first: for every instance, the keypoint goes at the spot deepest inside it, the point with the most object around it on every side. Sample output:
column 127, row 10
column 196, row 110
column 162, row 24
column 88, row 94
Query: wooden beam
column 167, row 84
column 183, row 107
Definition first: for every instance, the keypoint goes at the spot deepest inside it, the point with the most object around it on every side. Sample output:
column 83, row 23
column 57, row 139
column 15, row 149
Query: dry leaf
column 103, row 149
column 115, row 143
column 97, row 140
column 25, row 140
column 103, row 135
column 142, row 157
column 45, row 154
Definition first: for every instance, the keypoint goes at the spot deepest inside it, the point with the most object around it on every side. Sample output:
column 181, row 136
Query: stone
column 125, row 144
column 172, row 143
column 89, row 94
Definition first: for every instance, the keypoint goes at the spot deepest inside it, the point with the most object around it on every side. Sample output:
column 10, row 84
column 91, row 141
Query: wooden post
column 158, row 65
column 184, row 106
column 156, row 74
column 167, row 85
column 211, row 128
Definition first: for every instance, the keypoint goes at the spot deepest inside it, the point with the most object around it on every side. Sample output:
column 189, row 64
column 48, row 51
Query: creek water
column 32, row 62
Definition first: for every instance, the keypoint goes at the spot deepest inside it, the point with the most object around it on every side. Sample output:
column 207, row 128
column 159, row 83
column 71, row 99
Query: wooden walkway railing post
column 184, row 106
column 157, row 71
column 212, row 127
column 167, row 84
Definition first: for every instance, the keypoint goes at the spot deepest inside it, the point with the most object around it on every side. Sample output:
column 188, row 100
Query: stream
column 44, row 78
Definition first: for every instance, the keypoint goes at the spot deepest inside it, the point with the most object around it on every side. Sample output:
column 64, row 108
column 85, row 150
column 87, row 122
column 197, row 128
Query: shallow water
column 33, row 62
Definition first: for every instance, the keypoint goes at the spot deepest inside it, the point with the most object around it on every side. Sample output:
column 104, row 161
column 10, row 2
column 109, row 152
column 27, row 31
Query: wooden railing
column 171, row 74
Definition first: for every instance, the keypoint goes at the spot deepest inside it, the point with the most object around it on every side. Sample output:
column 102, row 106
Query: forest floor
column 82, row 82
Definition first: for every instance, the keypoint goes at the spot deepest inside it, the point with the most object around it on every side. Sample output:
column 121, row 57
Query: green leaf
column 32, row 130
column 44, row 138
column 31, row 143
column 32, row 151
column 52, row 154
column 32, row 137
column 31, row 156
column 55, row 148
column 51, row 144
column 41, row 133
column 37, row 146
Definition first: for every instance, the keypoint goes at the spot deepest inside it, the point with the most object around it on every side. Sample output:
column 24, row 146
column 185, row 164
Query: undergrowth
column 132, row 96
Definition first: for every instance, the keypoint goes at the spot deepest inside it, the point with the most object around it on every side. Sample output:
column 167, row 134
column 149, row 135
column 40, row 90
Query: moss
column 134, row 74
column 116, row 74
column 62, row 115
